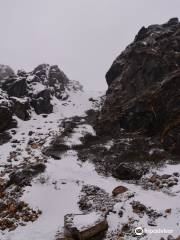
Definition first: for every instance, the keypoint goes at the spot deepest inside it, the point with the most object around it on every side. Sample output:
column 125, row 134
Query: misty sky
column 82, row 36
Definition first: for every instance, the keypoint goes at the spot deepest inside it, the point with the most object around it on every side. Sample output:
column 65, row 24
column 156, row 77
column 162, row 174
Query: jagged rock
column 5, row 73
column 22, row 73
column 4, row 137
column 42, row 102
column 137, row 77
column 55, row 79
column 36, row 88
column 6, row 117
column 16, row 87
column 85, row 226
column 21, row 108
column 125, row 171
column 143, row 87
column 5, row 111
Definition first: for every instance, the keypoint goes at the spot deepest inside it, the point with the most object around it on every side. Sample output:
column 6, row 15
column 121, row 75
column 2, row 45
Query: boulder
column 127, row 171
column 16, row 87
column 5, row 112
column 119, row 190
column 21, row 108
column 6, row 117
column 42, row 102
column 4, row 137
column 85, row 226
column 41, row 71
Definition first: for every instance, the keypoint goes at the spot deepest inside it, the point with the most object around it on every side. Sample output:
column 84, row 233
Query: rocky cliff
column 23, row 93
column 143, row 87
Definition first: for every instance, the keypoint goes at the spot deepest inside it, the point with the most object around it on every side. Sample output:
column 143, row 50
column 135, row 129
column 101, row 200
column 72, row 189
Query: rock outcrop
column 24, row 92
column 143, row 87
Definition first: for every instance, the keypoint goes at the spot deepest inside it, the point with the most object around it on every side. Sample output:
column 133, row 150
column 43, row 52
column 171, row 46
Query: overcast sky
column 82, row 36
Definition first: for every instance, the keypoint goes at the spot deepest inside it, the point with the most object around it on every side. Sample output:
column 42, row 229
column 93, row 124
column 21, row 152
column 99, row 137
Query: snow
column 37, row 87
column 56, row 191
column 88, row 220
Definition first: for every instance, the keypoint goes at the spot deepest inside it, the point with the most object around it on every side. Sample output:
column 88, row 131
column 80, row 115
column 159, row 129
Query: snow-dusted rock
column 85, row 226
column 37, row 91
column 42, row 102
column 5, row 111
column 5, row 72
column 21, row 108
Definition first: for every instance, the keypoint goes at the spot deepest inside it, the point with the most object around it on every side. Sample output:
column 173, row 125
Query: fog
column 82, row 36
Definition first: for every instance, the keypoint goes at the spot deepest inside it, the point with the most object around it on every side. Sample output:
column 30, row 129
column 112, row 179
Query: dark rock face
column 143, row 87
column 21, row 108
column 6, row 117
column 42, row 102
column 4, row 137
column 5, row 111
column 16, row 88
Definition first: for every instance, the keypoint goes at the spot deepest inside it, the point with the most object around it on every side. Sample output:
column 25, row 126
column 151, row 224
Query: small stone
column 138, row 207
column 153, row 179
column 34, row 146
column 152, row 223
column 13, row 132
column 171, row 184
column 176, row 174
column 165, row 185
column 119, row 190
column 165, row 176
column 157, row 183
column 120, row 213
column 176, row 179
column 30, row 133
column 168, row 210
column 130, row 195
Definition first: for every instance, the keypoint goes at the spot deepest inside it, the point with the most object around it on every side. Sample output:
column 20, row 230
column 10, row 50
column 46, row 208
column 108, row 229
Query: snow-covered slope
column 56, row 192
